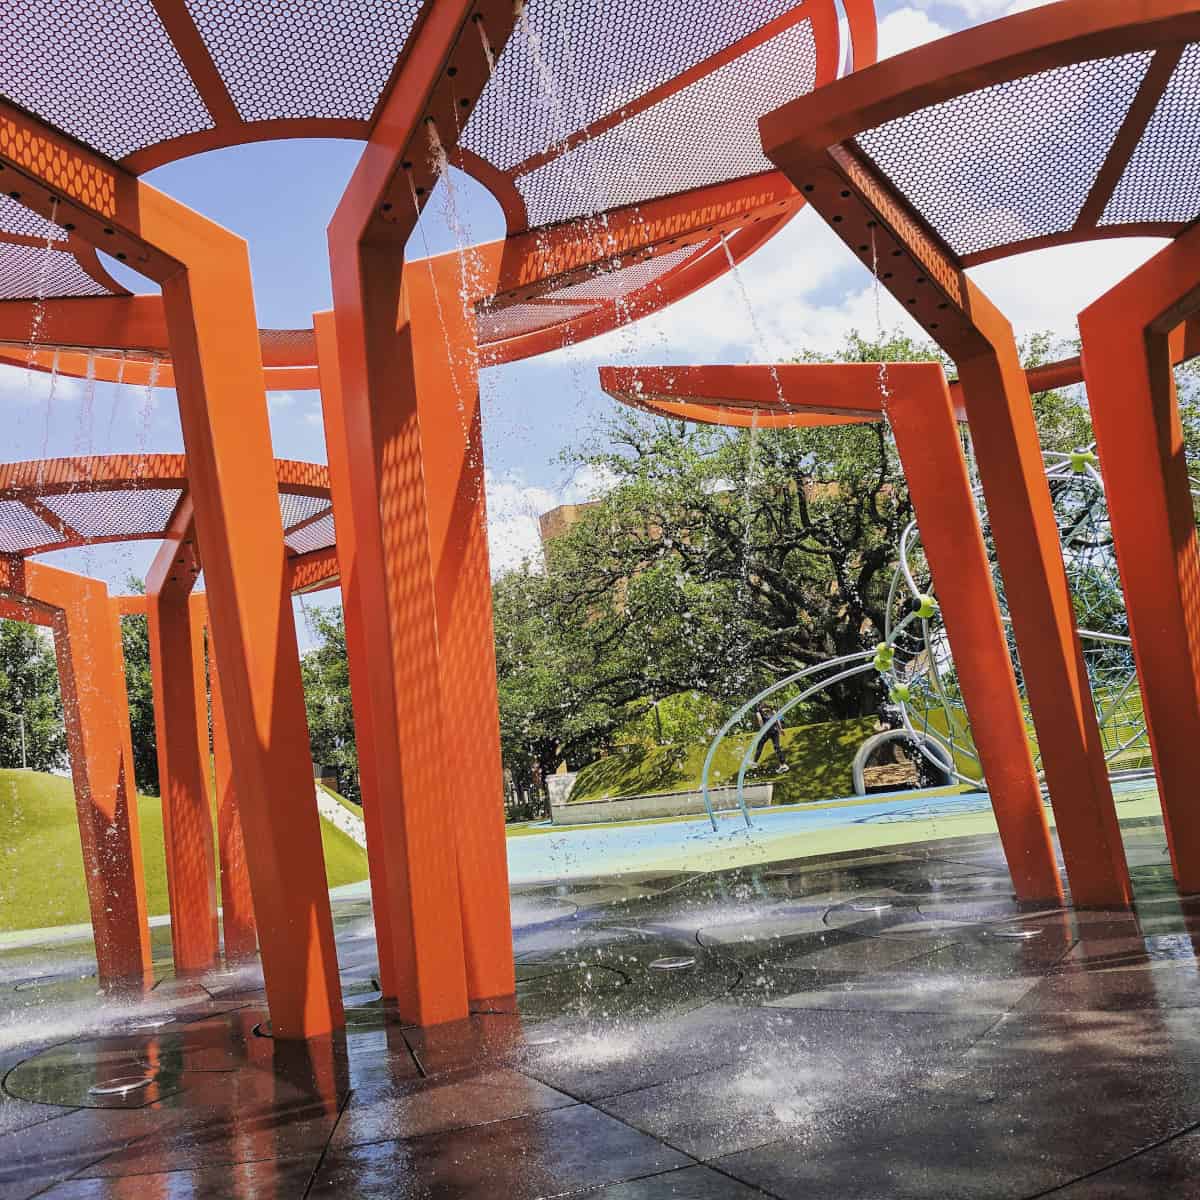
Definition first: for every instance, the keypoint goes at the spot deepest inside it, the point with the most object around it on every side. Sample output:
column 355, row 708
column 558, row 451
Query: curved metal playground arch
column 918, row 670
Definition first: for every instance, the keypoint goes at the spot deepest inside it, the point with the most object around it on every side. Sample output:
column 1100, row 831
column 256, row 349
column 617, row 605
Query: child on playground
column 768, row 719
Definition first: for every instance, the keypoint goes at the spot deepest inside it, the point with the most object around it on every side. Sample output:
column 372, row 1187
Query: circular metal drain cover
column 1015, row 935
column 673, row 964
column 866, row 906
column 121, row 1086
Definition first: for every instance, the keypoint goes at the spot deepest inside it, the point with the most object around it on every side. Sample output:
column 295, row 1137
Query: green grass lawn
column 41, row 864
column 820, row 757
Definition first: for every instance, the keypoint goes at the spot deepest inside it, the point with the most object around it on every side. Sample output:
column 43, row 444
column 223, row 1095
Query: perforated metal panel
column 699, row 136
column 16, row 218
column 494, row 325
column 29, row 271
column 1010, row 162
column 614, row 285
column 573, row 61
column 1162, row 179
column 294, row 508
column 316, row 536
column 21, row 529
column 124, row 513
column 304, row 58
column 104, row 71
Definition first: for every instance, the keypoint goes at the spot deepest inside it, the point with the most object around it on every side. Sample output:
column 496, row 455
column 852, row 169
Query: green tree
column 31, row 717
column 327, row 699
column 139, row 688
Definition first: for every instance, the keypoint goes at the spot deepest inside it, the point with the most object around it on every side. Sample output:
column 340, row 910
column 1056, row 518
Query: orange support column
column 393, row 580
column 1021, row 514
column 176, row 635
column 1131, row 393
column 927, row 437
column 208, row 303
column 96, row 709
column 356, row 645
column 811, row 140
column 239, row 933
column 447, row 401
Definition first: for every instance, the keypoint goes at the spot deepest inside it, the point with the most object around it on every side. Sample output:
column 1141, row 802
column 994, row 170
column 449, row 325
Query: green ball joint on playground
column 1081, row 460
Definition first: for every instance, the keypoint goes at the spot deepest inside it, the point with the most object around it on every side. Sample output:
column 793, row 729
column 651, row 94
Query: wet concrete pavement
column 880, row 1025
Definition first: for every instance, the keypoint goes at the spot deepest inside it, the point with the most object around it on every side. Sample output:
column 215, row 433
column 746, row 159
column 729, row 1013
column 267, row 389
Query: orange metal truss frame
column 811, row 140
column 1131, row 336
column 924, row 420
column 91, row 668
column 208, row 303
column 415, row 576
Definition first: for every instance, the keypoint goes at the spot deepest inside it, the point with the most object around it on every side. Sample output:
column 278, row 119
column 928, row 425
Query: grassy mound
column 820, row 757
column 41, row 864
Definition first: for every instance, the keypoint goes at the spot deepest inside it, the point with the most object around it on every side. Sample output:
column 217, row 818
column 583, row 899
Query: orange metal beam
column 208, row 305
column 92, row 682
column 925, row 422
column 1127, row 356
column 238, row 928
column 391, row 580
column 176, row 637
column 807, row 140
column 345, row 566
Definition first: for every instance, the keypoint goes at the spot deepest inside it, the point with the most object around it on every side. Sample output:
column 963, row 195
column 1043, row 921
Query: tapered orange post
column 92, row 682
column 928, row 441
column 445, row 373
column 238, row 930
column 1025, row 530
column 1127, row 356
column 380, row 343
column 212, row 331
column 924, row 420
column 811, row 140
column 357, row 648
column 176, row 637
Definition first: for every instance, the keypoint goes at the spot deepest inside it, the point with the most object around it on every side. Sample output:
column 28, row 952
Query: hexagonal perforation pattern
column 123, row 85
column 1013, row 161
column 691, row 139
column 128, row 512
column 591, row 57
column 496, row 325
column 305, row 58
column 1161, row 182
column 21, row 529
column 29, row 271
column 16, row 218
column 317, row 536
column 624, row 281
column 294, row 508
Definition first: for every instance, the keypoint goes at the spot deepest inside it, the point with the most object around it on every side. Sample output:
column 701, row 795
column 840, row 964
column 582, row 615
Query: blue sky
column 803, row 289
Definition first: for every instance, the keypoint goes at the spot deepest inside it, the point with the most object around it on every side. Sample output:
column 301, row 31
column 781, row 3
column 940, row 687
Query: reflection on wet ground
column 880, row 1024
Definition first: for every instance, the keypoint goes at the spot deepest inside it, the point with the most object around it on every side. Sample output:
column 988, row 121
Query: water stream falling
column 885, row 391
column 755, row 328
column 43, row 277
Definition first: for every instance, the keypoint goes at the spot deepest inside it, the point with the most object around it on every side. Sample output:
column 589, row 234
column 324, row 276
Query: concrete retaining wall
column 665, row 804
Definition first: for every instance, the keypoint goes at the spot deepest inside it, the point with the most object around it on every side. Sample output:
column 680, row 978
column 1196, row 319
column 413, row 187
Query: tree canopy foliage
column 31, row 718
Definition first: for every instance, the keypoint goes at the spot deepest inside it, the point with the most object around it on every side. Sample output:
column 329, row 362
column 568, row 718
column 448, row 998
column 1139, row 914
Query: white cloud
column 905, row 28
column 803, row 290
column 1047, row 289
column 514, row 506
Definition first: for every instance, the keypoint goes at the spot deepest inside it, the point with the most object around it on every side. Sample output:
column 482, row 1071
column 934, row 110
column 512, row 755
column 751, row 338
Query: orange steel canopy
column 586, row 135
column 59, row 503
